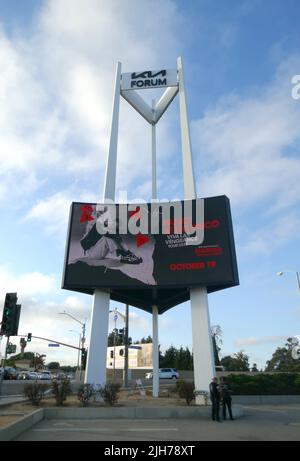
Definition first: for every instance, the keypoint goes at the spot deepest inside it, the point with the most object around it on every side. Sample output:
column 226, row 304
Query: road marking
column 152, row 429
column 264, row 410
column 85, row 429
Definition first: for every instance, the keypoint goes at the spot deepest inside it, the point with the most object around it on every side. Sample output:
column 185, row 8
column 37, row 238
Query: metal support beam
column 155, row 357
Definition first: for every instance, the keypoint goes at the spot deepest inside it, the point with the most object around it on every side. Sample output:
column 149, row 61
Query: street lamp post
column 293, row 272
column 82, row 338
column 79, row 348
column 126, row 320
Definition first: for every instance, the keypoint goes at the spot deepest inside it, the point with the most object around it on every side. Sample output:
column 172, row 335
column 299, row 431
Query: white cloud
column 250, row 146
column 56, row 89
column 276, row 233
column 27, row 284
column 253, row 341
column 53, row 212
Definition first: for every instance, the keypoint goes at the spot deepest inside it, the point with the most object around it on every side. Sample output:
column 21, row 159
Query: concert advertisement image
column 145, row 267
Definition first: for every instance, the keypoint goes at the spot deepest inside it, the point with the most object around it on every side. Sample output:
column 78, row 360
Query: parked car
column 164, row 373
column 23, row 375
column 33, row 375
column 9, row 373
column 45, row 375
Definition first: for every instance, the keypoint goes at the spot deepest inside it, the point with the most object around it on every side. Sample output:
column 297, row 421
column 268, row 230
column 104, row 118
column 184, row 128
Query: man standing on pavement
column 215, row 399
column 226, row 397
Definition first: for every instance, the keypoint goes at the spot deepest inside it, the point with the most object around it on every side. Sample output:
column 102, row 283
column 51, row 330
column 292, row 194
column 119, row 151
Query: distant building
column 23, row 364
column 139, row 356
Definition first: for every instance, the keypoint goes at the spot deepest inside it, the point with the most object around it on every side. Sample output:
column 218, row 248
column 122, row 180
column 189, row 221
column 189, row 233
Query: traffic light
column 11, row 315
column 83, row 357
column 121, row 333
column 29, row 337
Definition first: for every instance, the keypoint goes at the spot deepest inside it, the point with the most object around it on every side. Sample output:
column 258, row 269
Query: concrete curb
column 15, row 429
column 135, row 413
column 266, row 399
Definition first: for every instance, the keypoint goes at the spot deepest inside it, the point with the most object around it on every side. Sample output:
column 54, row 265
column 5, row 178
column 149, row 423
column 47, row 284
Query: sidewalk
column 7, row 399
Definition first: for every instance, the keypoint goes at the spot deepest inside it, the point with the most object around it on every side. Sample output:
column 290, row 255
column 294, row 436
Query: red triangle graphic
column 141, row 239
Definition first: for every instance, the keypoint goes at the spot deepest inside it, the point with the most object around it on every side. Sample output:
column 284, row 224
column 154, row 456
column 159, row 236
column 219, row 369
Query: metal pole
column 155, row 352
column 111, row 167
column 187, row 161
column 4, row 361
column 96, row 359
column 298, row 280
column 114, row 365
column 78, row 356
column 204, row 364
column 126, row 346
column 155, row 356
column 153, row 142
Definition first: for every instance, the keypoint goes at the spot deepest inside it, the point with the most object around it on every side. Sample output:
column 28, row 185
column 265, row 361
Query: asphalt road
column 260, row 423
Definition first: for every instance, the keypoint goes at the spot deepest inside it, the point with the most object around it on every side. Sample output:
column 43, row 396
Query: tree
column 53, row 366
column 144, row 340
column 216, row 341
column 38, row 361
column 119, row 339
column 239, row 362
column 181, row 359
column 254, row 368
column 184, row 360
column 168, row 358
column 282, row 359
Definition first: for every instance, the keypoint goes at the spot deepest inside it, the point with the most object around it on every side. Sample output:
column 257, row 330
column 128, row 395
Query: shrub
column 185, row 390
column 110, row 392
column 61, row 389
column 265, row 384
column 85, row 393
column 35, row 392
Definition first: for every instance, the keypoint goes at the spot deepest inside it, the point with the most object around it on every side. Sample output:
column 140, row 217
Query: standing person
column 226, row 392
column 215, row 400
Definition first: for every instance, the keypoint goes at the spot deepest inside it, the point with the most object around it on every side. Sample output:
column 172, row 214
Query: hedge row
column 261, row 384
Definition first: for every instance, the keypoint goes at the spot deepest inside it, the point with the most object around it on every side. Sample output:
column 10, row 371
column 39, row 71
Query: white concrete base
column 203, row 357
column 96, row 361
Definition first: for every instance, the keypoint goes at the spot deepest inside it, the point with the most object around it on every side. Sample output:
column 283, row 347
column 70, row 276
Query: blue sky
column 57, row 62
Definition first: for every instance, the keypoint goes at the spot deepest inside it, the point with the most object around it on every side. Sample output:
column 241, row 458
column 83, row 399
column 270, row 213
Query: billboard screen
column 149, row 254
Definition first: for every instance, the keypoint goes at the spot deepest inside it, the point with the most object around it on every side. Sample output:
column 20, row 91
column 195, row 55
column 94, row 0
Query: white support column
column 155, row 353
column 155, row 350
column 97, row 351
column 203, row 356
column 187, row 162
column 111, row 166
column 154, row 183
column 96, row 360
column 204, row 366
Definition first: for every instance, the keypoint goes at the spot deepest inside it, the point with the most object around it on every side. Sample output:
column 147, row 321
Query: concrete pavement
column 260, row 423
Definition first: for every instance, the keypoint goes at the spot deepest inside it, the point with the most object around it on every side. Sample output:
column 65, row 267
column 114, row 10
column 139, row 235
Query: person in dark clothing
column 108, row 245
column 226, row 392
column 215, row 400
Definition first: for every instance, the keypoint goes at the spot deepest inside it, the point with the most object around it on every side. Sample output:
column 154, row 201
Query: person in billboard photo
column 107, row 246
column 96, row 243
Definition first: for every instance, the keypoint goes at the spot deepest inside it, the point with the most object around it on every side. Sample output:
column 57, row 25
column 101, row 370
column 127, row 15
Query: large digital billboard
column 146, row 254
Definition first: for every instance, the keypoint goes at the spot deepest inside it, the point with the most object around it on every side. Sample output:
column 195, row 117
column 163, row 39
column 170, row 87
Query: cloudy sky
column 57, row 65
